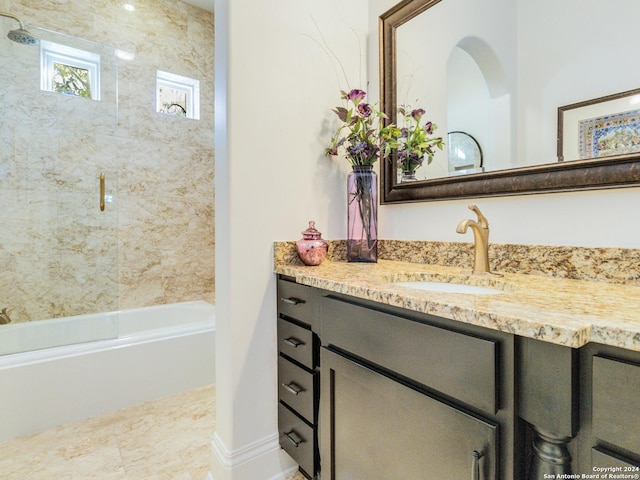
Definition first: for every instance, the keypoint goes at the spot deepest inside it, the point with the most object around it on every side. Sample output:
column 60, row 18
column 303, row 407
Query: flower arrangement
column 416, row 142
column 360, row 135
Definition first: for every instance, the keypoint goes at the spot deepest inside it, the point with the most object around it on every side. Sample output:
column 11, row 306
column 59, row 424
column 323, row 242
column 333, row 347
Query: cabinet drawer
column 296, row 388
column 296, row 301
column 455, row 364
column 297, row 439
column 616, row 402
column 296, row 342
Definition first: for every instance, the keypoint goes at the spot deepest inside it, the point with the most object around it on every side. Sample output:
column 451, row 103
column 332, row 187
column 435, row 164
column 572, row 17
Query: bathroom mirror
column 500, row 70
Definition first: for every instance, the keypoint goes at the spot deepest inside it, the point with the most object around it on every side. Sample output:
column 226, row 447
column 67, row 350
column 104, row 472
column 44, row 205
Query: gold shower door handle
column 102, row 192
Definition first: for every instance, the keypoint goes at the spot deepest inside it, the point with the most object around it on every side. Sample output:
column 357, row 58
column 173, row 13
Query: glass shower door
column 58, row 138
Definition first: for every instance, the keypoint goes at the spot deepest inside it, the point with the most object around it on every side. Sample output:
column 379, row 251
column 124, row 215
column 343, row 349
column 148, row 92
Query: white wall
column 275, row 87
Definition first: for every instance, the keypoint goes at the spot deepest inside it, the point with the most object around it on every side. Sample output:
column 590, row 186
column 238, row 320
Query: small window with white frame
column 177, row 95
column 69, row 71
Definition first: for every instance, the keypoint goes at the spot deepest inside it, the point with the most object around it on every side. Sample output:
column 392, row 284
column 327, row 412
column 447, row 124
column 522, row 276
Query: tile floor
column 167, row 439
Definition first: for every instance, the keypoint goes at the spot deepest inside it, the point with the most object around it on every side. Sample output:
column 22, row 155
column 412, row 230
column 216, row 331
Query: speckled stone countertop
column 557, row 310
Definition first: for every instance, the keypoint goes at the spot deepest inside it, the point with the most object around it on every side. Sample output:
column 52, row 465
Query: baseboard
column 259, row 460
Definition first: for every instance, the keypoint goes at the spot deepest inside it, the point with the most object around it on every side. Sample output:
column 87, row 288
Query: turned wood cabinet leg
column 550, row 455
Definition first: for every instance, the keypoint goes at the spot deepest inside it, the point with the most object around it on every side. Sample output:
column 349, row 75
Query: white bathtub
column 144, row 354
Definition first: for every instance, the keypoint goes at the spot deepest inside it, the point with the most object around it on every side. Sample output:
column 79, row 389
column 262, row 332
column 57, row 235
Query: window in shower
column 177, row 95
column 70, row 71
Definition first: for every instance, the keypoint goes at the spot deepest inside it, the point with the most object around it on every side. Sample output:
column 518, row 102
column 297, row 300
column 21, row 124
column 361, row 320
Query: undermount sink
column 449, row 287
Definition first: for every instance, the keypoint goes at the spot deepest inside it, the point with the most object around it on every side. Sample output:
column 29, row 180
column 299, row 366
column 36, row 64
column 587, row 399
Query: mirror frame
column 618, row 171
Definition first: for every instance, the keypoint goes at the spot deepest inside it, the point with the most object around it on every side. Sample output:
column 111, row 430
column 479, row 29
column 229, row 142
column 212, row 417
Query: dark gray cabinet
column 609, row 433
column 377, row 428
column 298, row 388
column 616, row 403
column 373, row 392
column 406, row 396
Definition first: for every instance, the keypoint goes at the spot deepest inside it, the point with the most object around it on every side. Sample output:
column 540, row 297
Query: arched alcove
column 478, row 100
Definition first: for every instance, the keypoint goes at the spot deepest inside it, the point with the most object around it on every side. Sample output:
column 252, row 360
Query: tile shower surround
column 59, row 255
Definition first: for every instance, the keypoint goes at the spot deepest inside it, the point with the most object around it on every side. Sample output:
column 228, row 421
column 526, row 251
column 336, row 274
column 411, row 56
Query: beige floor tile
column 296, row 476
column 167, row 439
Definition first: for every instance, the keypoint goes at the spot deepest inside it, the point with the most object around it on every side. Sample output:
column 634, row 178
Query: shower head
column 20, row 35
column 23, row 36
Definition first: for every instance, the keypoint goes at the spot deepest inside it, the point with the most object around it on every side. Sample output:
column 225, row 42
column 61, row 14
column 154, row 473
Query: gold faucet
column 481, row 240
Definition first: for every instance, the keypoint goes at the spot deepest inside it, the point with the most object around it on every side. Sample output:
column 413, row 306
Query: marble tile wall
column 153, row 244
column 611, row 265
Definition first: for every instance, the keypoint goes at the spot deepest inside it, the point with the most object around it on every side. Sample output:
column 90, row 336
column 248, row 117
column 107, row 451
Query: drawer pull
column 475, row 465
column 293, row 388
column 292, row 300
column 294, row 438
column 293, row 341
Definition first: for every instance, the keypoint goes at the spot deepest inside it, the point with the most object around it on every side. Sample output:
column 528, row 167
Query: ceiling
column 204, row 4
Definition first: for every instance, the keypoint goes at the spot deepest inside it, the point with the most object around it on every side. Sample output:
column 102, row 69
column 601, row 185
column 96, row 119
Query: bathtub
column 128, row 357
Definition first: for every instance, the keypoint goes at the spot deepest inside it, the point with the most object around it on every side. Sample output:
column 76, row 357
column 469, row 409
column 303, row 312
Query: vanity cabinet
column 298, row 387
column 407, row 396
column 610, row 410
column 368, row 391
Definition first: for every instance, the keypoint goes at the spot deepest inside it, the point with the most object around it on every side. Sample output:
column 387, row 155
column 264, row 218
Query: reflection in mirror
column 601, row 127
column 462, row 83
column 465, row 154
column 468, row 110
column 487, row 70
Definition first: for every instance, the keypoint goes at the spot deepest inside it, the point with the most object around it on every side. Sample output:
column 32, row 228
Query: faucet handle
column 482, row 220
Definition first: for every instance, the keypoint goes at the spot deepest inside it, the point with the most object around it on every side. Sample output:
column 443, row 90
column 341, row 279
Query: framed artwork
column 602, row 127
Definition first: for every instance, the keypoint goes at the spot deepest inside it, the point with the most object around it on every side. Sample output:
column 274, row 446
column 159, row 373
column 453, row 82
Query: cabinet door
column 375, row 428
column 616, row 403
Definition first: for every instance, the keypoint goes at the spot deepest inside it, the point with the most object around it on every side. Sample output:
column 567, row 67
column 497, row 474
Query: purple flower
column 428, row 127
column 417, row 114
column 356, row 95
column 362, row 151
column 364, row 110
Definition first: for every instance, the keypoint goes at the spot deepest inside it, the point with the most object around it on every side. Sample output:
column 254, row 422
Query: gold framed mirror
column 554, row 174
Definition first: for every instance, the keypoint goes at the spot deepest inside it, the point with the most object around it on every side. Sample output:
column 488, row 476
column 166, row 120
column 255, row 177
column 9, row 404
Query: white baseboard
column 259, row 460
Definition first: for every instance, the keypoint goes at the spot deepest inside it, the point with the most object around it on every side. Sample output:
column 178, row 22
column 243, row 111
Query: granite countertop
column 560, row 311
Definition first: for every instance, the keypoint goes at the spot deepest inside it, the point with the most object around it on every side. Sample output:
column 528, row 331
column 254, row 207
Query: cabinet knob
column 291, row 300
column 475, row 465
column 294, row 438
column 292, row 387
column 293, row 341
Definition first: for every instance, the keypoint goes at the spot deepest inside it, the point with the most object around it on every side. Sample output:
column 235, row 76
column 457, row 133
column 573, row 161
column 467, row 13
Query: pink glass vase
column 362, row 215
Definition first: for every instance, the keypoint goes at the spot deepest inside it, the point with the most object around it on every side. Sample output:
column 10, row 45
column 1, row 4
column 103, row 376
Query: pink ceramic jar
column 312, row 249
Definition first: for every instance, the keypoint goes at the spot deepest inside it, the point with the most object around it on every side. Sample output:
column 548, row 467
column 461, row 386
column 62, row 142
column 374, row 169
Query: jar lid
column 311, row 233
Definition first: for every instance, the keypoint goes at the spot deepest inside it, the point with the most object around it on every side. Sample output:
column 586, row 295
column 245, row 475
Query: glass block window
column 177, row 95
column 69, row 71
